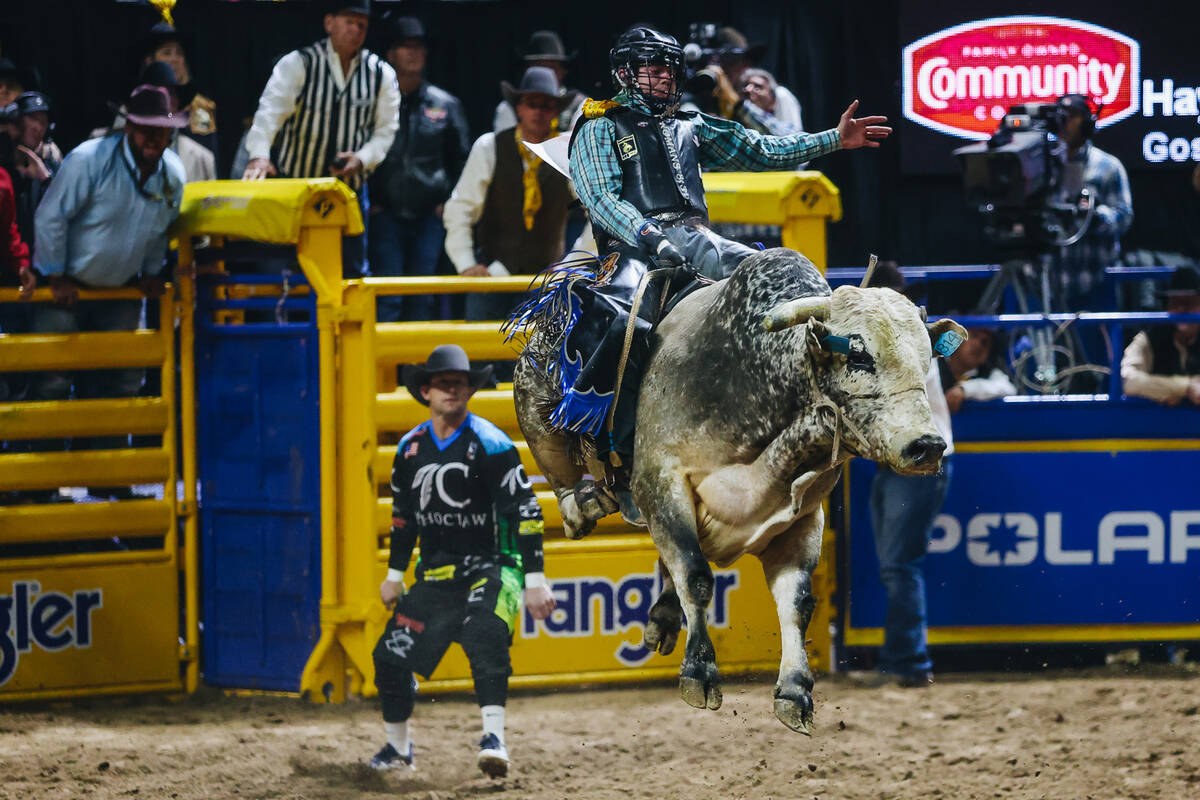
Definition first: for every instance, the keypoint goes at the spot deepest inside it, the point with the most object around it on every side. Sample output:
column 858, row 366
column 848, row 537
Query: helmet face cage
column 627, row 62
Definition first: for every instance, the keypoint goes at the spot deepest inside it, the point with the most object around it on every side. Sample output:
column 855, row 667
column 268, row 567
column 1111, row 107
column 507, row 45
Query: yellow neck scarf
column 533, row 189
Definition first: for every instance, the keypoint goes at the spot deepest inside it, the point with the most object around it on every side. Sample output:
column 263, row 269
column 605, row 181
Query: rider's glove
column 654, row 242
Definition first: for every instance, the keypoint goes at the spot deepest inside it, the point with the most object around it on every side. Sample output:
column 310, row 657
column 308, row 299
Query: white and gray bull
column 758, row 389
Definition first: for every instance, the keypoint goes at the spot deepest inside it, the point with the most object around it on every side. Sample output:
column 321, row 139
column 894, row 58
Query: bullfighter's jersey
column 466, row 498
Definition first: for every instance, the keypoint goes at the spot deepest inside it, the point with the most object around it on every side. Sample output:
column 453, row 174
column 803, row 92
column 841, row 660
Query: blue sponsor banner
column 1048, row 538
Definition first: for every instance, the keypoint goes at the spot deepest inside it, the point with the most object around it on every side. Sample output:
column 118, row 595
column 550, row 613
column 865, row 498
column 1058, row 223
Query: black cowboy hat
column 732, row 42
column 1185, row 280
column 161, row 33
column 444, row 358
column 403, row 29
column 537, row 80
column 160, row 73
column 545, row 46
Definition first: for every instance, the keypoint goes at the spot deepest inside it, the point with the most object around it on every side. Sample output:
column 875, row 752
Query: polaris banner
column 965, row 65
column 1048, row 538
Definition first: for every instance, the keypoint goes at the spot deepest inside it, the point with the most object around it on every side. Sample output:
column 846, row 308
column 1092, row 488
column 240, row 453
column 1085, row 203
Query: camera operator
column 1080, row 278
column 718, row 60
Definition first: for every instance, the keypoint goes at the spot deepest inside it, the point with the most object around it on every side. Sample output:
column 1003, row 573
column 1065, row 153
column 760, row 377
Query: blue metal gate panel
column 259, row 458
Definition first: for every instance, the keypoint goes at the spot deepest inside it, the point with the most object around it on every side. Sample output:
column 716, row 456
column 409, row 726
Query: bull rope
column 626, row 346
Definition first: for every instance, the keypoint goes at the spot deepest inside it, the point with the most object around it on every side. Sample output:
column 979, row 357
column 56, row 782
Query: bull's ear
column 945, row 336
column 817, row 340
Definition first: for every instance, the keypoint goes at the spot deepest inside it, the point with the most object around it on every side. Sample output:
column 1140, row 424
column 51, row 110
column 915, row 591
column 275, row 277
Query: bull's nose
column 924, row 449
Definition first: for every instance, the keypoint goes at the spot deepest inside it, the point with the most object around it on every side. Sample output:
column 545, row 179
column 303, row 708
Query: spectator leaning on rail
column 410, row 187
column 973, row 371
column 102, row 224
column 508, row 213
column 545, row 49
column 1163, row 364
column 329, row 109
column 198, row 161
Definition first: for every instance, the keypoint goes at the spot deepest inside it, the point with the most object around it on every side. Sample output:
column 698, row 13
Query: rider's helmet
column 644, row 47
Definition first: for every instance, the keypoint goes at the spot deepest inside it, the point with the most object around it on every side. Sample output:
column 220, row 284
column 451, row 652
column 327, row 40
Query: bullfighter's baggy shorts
column 443, row 607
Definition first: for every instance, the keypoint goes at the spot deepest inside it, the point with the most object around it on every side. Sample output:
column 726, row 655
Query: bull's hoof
column 593, row 501
column 700, row 685
column 575, row 524
column 659, row 638
column 796, row 711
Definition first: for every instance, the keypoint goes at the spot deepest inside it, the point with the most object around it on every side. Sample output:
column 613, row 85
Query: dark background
column 87, row 53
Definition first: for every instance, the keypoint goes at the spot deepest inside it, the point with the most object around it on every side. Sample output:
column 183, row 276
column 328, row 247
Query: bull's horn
column 796, row 312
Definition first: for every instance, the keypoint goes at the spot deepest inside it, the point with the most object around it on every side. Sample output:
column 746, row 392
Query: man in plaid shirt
column 635, row 161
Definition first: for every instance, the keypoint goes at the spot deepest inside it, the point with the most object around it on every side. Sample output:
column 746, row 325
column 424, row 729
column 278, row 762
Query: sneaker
column 390, row 758
column 493, row 756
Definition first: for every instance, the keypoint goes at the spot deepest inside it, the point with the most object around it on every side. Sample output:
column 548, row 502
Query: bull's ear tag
column 837, row 344
column 947, row 343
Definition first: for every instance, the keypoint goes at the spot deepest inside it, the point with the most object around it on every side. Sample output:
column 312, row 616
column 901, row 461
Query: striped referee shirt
column 722, row 144
column 310, row 111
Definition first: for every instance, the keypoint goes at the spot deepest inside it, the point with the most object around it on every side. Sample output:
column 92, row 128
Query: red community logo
column 963, row 79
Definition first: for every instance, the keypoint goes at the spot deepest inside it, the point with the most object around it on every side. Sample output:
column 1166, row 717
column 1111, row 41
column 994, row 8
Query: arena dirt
column 1100, row 735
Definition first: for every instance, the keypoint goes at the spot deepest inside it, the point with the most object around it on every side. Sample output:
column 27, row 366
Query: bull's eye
column 858, row 359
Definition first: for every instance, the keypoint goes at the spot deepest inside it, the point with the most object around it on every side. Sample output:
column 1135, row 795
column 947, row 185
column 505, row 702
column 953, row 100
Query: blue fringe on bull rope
column 552, row 312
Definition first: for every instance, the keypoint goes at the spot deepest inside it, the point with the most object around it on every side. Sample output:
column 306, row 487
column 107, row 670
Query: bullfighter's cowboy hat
column 444, row 358
column 538, row 80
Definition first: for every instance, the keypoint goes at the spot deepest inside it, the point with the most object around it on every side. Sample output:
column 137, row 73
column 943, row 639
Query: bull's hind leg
column 672, row 521
column 666, row 617
column 788, row 563
column 580, row 502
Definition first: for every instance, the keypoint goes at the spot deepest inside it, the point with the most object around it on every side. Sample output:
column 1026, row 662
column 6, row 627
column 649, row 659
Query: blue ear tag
column 947, row 343
column 837, row 344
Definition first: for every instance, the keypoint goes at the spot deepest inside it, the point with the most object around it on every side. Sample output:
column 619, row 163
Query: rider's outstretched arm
column 596, row 173
column 727, row 145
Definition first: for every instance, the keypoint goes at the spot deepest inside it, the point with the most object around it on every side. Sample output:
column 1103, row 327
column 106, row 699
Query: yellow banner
column 89, row 628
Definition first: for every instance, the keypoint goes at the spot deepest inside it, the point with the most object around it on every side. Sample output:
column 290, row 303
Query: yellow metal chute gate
column 90, row 593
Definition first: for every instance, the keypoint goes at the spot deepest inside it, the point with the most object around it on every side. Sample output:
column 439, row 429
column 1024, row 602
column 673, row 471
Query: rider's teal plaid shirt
column 722, row 144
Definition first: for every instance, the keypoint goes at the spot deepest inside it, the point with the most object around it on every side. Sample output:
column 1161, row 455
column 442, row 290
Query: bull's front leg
column 788, row 563
column 666, row 494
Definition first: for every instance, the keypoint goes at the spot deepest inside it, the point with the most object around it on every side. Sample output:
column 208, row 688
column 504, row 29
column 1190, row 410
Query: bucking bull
column 758, row 389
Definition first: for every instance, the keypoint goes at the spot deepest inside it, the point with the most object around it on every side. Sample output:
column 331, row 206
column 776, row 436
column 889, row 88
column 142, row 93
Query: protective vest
column 501, row 234
column 660, row 167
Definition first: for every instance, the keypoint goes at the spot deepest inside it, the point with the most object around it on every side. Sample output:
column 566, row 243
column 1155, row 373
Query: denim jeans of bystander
column 903, row 508
column 401, row 248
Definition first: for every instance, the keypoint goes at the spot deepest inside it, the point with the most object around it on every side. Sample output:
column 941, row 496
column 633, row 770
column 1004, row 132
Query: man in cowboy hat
column 1163, row 364
column 545, row 49
column 410, row 187
column 459, row 487
column 331, row 108
column 102, row 224
column 508, row 213
column 199, row 164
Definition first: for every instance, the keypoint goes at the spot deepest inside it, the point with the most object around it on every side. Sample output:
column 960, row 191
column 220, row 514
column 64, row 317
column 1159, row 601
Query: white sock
column 397, row 734
column 493, row 721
